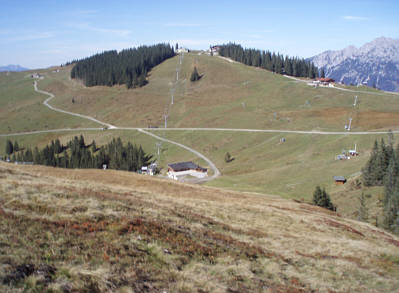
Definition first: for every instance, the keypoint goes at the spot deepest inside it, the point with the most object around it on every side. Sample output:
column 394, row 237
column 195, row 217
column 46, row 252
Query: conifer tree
column 370, row 171
column 36, row 156
column 322, row 73
column 16, row 146
column 322, row 199
column 57, row 146
column 9, row 147
column 363, row 209
column 93, row 147
column 194, row 75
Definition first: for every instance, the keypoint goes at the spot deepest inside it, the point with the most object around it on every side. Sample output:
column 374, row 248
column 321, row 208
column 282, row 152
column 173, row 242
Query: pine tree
column 16, row 146
column 322, row 199
column 9, row 147
column 391, row 194
column 322, row 73
column 36, row 156
column 57, row 146
column 363, row 210
column 81, row 142
column 93, row 147
column 369, row 172
column 194, row 75
column 391, row 207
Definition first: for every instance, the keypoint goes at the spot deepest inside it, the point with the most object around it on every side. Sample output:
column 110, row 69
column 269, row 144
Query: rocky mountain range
column 12, row 67
column 375, row 64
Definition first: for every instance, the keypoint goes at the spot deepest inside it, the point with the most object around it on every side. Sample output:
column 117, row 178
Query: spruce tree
column 194, row 75
column 9, row 147
column 363, row 210
column 322, row 73
column 391, row 207
column 93, row 147
column 369, row 172
column 391, row 194
column 322, row 199
column 16, row 146
column 57, row 146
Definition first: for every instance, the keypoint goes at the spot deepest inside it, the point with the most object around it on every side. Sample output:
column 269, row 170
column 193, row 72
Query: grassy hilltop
column 229, row 95
column 100, row 231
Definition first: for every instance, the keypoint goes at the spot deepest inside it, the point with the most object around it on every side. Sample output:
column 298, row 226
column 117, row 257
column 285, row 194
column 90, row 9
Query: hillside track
column 216, row 172
column 51, row 96
column 146, row 131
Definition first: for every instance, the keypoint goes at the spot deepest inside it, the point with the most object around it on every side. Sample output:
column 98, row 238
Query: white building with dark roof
column 178, row 170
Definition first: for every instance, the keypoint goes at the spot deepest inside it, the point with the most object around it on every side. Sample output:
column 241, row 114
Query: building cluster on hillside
column 213, row 50
column 346, row 155
column 149, row 170
column 322, row 81
column 182, row 50
column 36, row 75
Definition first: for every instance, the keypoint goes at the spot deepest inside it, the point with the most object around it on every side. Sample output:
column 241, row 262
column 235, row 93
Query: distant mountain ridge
column 12, row 67
column 374, row 64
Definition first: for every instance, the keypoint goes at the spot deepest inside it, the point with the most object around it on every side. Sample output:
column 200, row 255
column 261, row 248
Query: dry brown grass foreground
column 106, row 231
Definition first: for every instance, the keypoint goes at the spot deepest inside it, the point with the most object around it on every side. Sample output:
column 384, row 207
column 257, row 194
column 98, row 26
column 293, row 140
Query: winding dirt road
column 216, row 171
column 51, row 96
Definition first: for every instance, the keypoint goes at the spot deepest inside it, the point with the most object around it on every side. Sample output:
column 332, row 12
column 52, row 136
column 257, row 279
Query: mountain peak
column 12, row 67
column 376, row 63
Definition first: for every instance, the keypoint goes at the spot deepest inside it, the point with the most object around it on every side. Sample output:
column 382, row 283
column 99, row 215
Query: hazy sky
column 42, row 33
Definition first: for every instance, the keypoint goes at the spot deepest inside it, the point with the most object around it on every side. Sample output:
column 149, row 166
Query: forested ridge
column 277, row 63
column 76, row 154
column 129, row 67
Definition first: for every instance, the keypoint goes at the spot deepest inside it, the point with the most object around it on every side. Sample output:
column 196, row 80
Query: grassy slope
column 228, row 95
column 21, row 108
column 135, row 233
column 291, row 169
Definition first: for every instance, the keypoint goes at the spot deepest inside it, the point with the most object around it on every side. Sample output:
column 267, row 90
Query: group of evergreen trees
column 382, row 169
column 128, row 67
column 270, row 61
column 322, row 199
column 76, row 154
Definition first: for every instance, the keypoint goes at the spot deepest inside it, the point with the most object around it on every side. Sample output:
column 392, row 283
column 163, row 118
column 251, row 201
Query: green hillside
column 21, row 108
column 228, row 95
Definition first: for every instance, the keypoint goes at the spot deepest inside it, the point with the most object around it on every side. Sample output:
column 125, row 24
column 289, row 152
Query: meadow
column 101, row 231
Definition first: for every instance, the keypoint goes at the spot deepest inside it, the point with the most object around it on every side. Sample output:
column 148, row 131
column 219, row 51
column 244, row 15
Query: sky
column 37, row 34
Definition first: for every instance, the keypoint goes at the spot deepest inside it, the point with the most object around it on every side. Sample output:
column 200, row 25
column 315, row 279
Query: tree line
column 76, row 154
column 382, row 169
column 129, row 67
column 277, row 63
